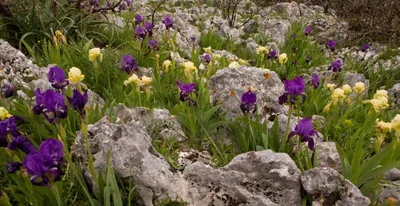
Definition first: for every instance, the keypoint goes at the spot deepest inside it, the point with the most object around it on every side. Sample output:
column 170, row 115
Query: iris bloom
column 185, row 91
column 332, row 45
column 261, row 50
column 166, row 65
column 51, row 104
column 4, row 114
column 396, row 125
column 249, row 100
column 304, row 129
column 94, row 3
column 109, row 4
column 138, row 19
column 7, row 90
column 272, row 54
column 293, row 89
column 234, row 64
column 359, row 87
column 380, row 100
column 7, row 126
column 336, row 66
column 78, row 101
column 139, row 32
column 128, row 64
column 208, row 50
column 75, row 75
column 365, row 47
column 207, row 58
column 56, row 77
column 308, row 30
column 21, row 143
column 168, row 22
column 149, row 28
column 315, row 81
column 347, row 89
column 282, row 58
column 59, row 38
column 95, row 54
column 153, row 45
column 13, row 167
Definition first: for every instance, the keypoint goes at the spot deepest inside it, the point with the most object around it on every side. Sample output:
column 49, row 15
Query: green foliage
column 169, row 149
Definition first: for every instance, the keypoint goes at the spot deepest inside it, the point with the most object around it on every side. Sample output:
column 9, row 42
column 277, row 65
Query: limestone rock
column 228, row 85
column 327, row 155
column 323, row 184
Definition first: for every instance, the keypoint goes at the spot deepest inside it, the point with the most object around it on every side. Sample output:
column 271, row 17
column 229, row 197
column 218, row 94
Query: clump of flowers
column 128, row 64
column 380, row 100
column 304, row 129
column 44, row 166
column 293, row 89
column 134, row 79
column 185, row 91
column 249, row 100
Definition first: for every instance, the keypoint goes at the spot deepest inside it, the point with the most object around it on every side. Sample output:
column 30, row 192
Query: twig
column 154, row 11
column 107, row 8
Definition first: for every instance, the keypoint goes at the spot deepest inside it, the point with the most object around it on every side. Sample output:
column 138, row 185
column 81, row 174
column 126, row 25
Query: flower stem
column 283, row 141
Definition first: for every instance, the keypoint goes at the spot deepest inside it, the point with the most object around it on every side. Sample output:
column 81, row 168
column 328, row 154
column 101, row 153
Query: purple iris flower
column 168, row 22
column 294, row 36
column 128, row 64
column 332, row 45
column 78, row 101
column 248, row 102
column 207, row 58
column 140, row 32
column 109, row 4
column 308, row 30
column 305, row 130
column 193, row 39
column 7, row 126
column 121, row 7
column 186, row 89
column 295, row 62
column 315, row 81
column 45, row 162
column 308, row 59
column 272, row 54
column 293, row 88
column 52, row 150
column 138, row 19
column 22, row 143
column 365, row 47
column 336, row 66
column 7, row 90
column 51, row 104
column 56, row 77
column 153, row 45
column 128, row 3
column 149, row 28
column 94, row 3
column 13, row 167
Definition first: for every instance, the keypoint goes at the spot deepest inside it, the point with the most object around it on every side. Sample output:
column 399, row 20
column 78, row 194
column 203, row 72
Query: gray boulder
column 254, row 178
column 327, row 187
column 156, row 122
column 393, row 174
column 395, row 93
column 228, row 85
column 327, row 156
